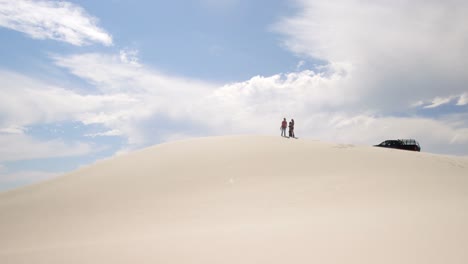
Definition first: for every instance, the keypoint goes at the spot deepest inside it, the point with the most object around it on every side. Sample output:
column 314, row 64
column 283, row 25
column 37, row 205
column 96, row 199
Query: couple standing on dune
column 284, row 124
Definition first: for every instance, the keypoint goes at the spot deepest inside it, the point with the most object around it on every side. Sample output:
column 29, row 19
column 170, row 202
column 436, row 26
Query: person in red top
column 284, row 125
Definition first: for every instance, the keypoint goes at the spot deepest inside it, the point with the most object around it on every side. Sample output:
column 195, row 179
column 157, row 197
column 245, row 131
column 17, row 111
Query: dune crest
column 245, row 199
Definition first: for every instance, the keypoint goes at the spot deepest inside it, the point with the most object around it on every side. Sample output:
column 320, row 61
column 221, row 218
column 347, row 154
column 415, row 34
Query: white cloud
column 400, row 51
column 63, row 21
column 110, row 133
column 438, row 101
column 232, row 108
column 112, row 73
column 25, row 101
column 257, row 106
column 145, row 106
column 463, row 100
column 432, row 133
column 153, row 94
column 12, row 130
column 299, row 65
column 316, row 100
column 129, row 56
column 24, row 147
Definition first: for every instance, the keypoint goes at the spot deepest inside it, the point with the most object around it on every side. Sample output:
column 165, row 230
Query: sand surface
column 245, row 199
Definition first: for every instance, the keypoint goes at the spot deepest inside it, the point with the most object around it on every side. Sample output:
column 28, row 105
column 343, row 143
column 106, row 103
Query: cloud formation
column 26, row 101
column 399, row 52
column 17, row 147
column 168, row 108
column 374, row 69
column 463, row 100
column 153, row 97
column 62, row 21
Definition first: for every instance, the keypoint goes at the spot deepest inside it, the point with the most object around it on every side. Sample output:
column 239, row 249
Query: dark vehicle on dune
column 406, row 144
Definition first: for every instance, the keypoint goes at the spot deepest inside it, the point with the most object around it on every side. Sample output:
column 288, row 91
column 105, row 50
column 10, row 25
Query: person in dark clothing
column 284, row 124
column 292, row 129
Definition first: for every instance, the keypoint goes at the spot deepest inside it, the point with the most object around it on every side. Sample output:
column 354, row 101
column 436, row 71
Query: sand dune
column 245, row 199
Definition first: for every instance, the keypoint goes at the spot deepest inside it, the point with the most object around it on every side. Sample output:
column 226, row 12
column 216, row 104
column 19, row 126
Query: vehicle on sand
column 405, row 144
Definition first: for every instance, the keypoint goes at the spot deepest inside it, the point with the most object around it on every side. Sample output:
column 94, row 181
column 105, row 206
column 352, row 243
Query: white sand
column 245, row 200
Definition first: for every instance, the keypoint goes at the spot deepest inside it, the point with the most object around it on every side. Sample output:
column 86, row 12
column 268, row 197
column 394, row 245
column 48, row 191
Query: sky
column 83, row 81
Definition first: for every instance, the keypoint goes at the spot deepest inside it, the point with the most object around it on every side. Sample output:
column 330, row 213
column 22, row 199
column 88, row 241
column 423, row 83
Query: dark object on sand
column 406, row 144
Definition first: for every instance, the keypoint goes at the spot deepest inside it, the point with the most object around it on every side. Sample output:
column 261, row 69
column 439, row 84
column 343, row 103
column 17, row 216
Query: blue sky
column 83, row 81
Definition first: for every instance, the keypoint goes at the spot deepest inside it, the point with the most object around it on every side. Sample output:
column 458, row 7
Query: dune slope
column 245, row 199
